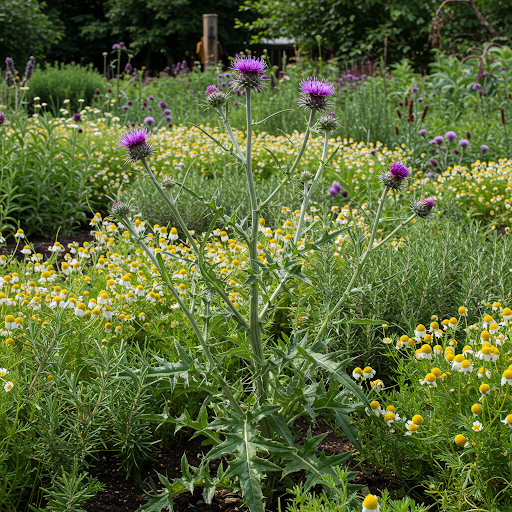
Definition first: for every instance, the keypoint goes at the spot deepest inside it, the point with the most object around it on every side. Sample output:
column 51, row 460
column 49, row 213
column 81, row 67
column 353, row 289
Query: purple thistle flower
column 419, row 100
column 314, row 93
column 150, row 98
column 423, row 132
column 125, row 107
column 149, row 120
column 166, row 112
column 335, row 189
column 433, row 163
column 395, row 176
column 116, row 46
column 128, row 68
column 97, row 92
column 136, row 142
column 429, row 175
column 438, row 140
column 211, row 89
column 250, row 73
column 168, row 119
column 449, row 136
column 483, row 148
column 463, row 143
column 249, row 65
column 8, row 79
column 2, row 118
column 415, row 89
column 76, row 117
column 423, row 207
column 162, row 104
column 476, row 86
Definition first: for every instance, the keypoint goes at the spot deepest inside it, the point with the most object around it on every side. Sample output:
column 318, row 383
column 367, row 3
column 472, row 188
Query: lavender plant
column 248, row 418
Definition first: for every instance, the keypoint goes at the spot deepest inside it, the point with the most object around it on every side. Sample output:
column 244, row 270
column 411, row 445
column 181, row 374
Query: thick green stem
column 359, row 267
column 295, row 163
column 224, row 385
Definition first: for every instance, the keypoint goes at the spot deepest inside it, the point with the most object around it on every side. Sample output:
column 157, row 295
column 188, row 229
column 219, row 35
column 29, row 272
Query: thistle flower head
column 76, row 117
column 449, row 136
column 149, row 120
column 136, row 142
column 463, row 143
column 121, row 209
column 215, row 98
column 314, row 93
column 249, row 73
column 335, row 189
column 162, row 104
column 423, row 207
column 2, row 118
column 395, row 176
column 168, row 182
column 327, row 123
column 484, row 148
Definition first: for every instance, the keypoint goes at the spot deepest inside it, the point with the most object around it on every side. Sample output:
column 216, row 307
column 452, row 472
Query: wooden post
column 210, row 40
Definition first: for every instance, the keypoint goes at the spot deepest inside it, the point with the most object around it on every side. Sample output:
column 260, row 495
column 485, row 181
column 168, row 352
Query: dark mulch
column 125, row 495
column 41, row 244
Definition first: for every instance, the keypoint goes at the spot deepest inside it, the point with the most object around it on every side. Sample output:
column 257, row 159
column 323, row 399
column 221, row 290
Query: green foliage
column 371, row 29
column 56, row 83
column 70, row 491
column 26, row 30
column 459, row 452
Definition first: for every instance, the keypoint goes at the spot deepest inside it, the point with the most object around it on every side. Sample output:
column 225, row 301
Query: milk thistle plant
column 249, row 418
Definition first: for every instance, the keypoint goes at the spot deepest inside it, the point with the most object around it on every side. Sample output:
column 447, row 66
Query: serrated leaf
column 336, row 370
column 316, row 467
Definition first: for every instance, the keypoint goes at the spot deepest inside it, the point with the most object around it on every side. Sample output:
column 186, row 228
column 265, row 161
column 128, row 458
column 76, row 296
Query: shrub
column 56, row 83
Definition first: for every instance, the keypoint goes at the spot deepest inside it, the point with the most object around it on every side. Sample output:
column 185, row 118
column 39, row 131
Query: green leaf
column 336, row 370
column 316, row 467
column 366, row 321
column 244, row 443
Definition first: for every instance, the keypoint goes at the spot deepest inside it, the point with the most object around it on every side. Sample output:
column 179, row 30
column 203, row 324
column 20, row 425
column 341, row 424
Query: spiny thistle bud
column 136, row 142
column 215, row 98
column 168, row 182
column 121, row 210
column 423, row 207
column 314, row 93
column 395, row 177
column 305, row 176
column 249, row 73
column 327, row 123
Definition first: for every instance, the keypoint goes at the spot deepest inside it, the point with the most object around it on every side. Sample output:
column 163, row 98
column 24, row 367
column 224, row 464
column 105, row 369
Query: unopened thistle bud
column 305, row 176
column 215, row 98
column 136, row 142
column 249, row 73
column 423, row 207
column 314, row 93
column 168, row 182
column 395, row 176
column 327, row 123
column 121, row 210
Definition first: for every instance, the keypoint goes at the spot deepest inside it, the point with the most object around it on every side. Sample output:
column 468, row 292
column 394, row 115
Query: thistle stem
column 359, row 267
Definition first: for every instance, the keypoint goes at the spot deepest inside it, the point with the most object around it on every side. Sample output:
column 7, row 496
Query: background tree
column 26, row 31
column 358, row 29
